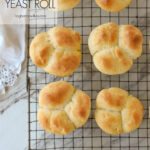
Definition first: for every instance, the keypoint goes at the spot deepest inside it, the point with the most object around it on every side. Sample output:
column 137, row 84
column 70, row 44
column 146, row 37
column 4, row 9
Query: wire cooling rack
column 83, row 19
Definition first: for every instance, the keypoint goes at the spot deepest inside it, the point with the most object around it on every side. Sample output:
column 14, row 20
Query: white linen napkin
column 12, row 53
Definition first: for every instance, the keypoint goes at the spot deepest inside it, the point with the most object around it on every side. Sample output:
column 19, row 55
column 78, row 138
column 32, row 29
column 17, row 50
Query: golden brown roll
column 57, row 51
column 115, row 47
column 63, row 108
column 118, row 112
column 113, row 5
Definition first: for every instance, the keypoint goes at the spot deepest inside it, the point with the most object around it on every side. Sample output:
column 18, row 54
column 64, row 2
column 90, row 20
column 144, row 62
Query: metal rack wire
column 137, row 81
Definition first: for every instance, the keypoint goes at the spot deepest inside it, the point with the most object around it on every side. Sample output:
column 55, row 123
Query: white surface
column 12, row 53
column 13, row 127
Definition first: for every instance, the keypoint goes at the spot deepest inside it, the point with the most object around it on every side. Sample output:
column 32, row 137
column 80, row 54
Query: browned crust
column 57, row 51
column 62, row 108
column 56, row 95
column 113, row 5
column 40, row 50
column 79, row 109
column 113, row 61
column 131, row 40
column 117, row 112
column 115, row 47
